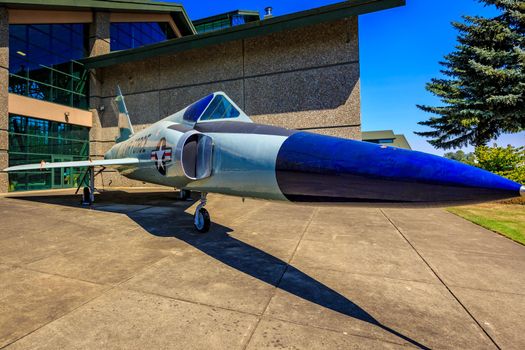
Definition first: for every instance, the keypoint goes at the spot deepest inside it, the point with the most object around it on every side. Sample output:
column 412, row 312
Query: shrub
column 505, row 161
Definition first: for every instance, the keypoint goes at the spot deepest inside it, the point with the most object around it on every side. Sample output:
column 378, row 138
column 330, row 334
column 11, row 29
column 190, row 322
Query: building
column 60, row 62
column 386, row 137
column 225, row 20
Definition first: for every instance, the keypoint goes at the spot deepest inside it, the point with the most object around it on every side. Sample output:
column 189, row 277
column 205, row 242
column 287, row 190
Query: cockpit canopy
column 213, row 107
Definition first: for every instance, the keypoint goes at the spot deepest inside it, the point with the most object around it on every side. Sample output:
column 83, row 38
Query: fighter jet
column 212, row 146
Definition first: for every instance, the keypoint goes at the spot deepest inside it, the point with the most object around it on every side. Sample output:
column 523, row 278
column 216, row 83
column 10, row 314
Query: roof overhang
column 267, row 26
column 177, row 11
column 249, row 13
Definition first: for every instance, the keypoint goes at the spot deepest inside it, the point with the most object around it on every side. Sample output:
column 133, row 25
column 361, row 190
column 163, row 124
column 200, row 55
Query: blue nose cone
column 317, row 168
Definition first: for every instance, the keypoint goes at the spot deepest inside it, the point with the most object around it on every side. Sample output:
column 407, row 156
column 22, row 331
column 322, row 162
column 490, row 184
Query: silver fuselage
column 241, row 164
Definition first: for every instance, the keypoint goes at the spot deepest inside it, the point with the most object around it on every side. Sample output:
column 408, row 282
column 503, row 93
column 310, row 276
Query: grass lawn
column 507, row 219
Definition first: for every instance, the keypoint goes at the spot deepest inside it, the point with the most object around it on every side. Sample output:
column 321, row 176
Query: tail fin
column 124, row 124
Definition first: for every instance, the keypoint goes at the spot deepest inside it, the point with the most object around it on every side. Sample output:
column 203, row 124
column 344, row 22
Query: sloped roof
column 378, row 135
column 398, row 140
column 177, row 11
column 267, row 26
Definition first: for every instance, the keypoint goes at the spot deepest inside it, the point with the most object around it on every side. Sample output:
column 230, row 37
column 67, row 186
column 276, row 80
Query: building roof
column 378, row 135
column 398, row 140
column 254, row 15
column 249, row 30
column 177, row 11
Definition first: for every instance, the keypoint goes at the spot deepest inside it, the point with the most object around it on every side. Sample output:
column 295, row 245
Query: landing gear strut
column 201, row 220
column 88, row 194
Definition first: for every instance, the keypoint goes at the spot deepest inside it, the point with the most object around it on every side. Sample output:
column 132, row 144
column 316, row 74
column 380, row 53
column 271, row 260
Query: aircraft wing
column 80, row 163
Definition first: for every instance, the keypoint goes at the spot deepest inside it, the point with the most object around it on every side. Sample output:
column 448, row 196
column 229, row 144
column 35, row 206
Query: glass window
column 220, row 108
column 32, row 140
column 238, row 20
column 194, row 111
column 230, row 21
column 212, row 26
column 131, row 35
column 42, row 62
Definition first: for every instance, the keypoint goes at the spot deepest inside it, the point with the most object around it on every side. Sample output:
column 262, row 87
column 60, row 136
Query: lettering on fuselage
column 161, row 155
column 138, row 145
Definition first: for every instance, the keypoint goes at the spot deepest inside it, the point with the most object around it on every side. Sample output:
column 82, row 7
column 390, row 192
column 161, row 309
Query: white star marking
column 159, row 155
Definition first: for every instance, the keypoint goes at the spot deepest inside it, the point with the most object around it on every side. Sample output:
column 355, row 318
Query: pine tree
column 483, row 91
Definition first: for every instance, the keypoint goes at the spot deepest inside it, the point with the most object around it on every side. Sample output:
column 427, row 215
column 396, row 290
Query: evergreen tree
column 461, row 156
column 483, row 91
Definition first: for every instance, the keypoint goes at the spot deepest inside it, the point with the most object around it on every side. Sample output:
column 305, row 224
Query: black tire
column 184, row 195
column 206, row 222
column 86, row 196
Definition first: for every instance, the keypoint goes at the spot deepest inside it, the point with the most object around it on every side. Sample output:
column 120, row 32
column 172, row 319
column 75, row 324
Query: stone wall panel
column 132, row 77
column 4, row 96
column 97, row 149
column 99, row 34
column 143, row 108
column 312, row 98
column 4, row 179
column 351, row 132
column 111, row 179
column 4, row 38
column 307, row 47
column 4, row 141
column 201, row 66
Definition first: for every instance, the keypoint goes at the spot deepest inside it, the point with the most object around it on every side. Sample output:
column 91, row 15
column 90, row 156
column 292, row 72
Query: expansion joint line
column 440, row 279
column 102, row 293
column 314, row 213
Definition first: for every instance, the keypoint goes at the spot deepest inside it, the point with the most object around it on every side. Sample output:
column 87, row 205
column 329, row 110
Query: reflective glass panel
column 43, row 62
column 194, row 111
column 218, row 24
column 131, row 35
column 34, row 140
column 220, row 108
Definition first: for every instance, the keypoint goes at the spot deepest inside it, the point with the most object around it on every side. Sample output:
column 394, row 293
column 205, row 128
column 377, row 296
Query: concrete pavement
column 131, row 273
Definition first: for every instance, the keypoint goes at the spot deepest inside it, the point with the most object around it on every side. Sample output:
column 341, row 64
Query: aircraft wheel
column 184, row 195
column 202, row 220
column 86, row 196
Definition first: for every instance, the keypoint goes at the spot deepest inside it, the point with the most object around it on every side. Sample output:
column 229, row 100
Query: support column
column 4, row 84
column 99, row 44
column 99, row 34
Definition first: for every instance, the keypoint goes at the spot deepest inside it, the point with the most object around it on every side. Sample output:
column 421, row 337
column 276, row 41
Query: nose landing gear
column 88, row 194
column 201, row 220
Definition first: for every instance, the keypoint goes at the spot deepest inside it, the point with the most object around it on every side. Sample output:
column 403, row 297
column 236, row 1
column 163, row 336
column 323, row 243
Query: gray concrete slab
column 356, row 226
column 131, row 273
column 463, row 254
column 99, row 262
column 29, row 300
column 478, row 271
column 373, row 260
column 275, row 334
column 192, row 276
column 501, row 314
column 401, row 312
column 438, row 230
column 122, row 319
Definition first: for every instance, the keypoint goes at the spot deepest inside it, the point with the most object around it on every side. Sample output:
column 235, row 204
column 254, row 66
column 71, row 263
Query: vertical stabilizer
column 124, row 124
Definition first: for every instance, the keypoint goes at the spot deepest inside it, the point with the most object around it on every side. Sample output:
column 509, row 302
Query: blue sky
column 399, row 49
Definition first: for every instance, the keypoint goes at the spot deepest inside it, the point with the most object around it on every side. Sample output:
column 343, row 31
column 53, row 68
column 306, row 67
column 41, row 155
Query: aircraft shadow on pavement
column 175, row 222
